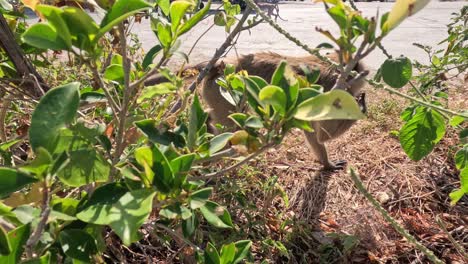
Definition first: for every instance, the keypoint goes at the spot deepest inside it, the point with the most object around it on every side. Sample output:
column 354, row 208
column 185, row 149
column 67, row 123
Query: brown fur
column 264, row 65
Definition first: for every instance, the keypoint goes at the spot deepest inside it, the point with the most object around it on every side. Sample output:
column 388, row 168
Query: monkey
column 264, row 64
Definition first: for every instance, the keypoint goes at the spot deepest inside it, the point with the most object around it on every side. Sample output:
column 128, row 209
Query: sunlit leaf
column 198, row 198
column 211, row 254
column 44, row 36
column 218, row 142
column 177, row 11
column 401, row 10
column 193, row 20
column 216, row 215
column 12, row 180
column 336, row 104
column 274, row 96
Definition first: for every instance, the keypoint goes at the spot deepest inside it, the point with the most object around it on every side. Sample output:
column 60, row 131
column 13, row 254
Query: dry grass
column 414, row 192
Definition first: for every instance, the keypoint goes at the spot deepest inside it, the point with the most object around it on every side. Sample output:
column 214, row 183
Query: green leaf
column 463, row 134
column 216, row 215
column 456, row 121
column 324, row 45
column 5, row 146
column 275, row 96
column 211, row 254
column 307, row 93
column 239, row 119
column 12, row 180
column 253, row 85
column 461, row 158
column 65, row 205
column 397, row 72
column 160, row 135
column 40, row 164
column 96, row 209
column 456, row 195
column 199, row 198
column 54, row 17
column 115, row 72
column 44, row 36
column 82, row 27
column 180, row 167
column 125, row 215
column 336, row 104
column 401, row 10
column 227, row 253
column 56, row 109
column 182, row 164
column 144, row 157
column 5, row 246
column 177, row 12
column 165, row 6
column 189, row 225
column 242, row 249
column 119, row 11
column 218, row 142
column 149, row 92
column 85, row 166
column 164, row 34
column 129, row 213
column 17, row 238
column 163, row 175
column 254, row 122
column 197, row 120
column 339, row 16
column 27, row 214
column 149, row 57
column 284, row 78
column 192, row 21
column 78, row 244
column 420, row 134
column 311, row 75
column 174, row 211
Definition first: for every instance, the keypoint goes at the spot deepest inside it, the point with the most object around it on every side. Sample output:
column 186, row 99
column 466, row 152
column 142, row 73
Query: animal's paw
column 338, row 165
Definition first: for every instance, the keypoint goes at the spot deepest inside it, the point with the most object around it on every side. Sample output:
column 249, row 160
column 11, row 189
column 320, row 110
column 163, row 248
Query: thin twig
column 112, row 103
column 36, row 235
column 237, row 165
column 283, row 32
column 178, row 236
column 120, row 137
column 222, row 154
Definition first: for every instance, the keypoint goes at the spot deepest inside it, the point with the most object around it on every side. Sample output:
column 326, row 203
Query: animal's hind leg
column 320, row 152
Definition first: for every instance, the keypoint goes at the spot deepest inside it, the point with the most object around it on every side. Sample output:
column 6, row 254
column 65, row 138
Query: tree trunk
column 23, row 66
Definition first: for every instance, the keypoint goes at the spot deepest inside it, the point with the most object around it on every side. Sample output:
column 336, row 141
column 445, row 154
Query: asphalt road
column 427, row 27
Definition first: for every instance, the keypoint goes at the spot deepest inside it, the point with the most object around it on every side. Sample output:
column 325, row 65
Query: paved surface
column 426, row 27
